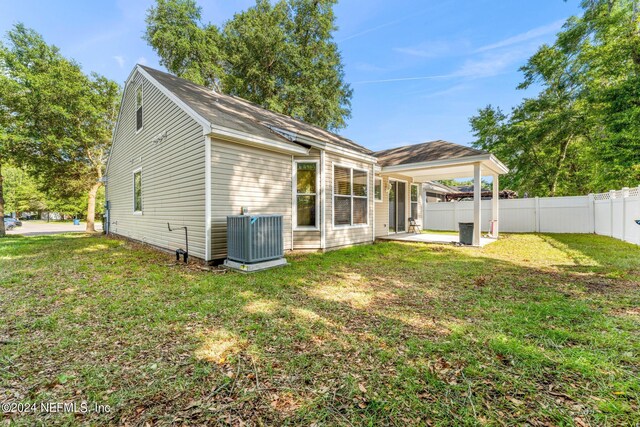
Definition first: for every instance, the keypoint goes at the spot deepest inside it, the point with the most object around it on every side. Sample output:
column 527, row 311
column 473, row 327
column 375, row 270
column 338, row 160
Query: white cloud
column 448, row 91
column 120, row 60
column 434, row 49
column 535, row 33
column 142, row 61
column 405, row 79
column 368, row 67
column 488, row 61
column 384, row 25
column 489, row 65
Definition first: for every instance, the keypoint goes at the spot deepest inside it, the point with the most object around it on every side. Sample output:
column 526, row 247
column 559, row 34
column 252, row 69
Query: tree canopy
column 581, row 133
column 279, row 55
column 58, row 120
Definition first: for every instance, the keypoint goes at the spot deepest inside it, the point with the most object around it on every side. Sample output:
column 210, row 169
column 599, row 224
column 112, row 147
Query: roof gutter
column 331, row 148
column 257, row 141
column 499, row 166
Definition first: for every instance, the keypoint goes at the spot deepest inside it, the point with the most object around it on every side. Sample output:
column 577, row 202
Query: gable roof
column 439, row 187
column 425, row 152
column 241, row 115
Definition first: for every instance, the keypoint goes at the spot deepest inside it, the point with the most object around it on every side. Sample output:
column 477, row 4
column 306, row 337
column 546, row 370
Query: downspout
column 323, row 225
column 372, row 192
column 207, row 198
column 293, row 195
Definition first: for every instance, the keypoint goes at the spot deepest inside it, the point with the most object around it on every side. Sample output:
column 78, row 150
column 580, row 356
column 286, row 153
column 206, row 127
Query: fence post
column 638, row 213
column 612, row 195
column 592, row 213
column 537, row 214
column 625, row 194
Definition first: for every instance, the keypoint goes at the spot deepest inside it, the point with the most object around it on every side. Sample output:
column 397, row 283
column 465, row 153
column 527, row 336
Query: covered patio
column 437, row 238
column 438, row 160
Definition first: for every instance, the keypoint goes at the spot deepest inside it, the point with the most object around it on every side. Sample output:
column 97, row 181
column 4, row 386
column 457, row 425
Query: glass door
column 392, row 206
column 401, row 200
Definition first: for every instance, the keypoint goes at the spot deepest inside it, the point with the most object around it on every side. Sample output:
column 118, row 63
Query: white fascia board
column 501, row 166
column 257, row 141
column 224, row 132
column 190, row 111
column 115, row 127
column 490, row 158
column 331, row 148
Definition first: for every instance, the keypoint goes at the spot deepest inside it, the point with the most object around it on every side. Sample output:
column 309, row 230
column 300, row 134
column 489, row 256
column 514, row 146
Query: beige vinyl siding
column 173, row 172
column 309, row 239
column 244, row 176
column 420, row 200
column 344, row 236
column 382, row 208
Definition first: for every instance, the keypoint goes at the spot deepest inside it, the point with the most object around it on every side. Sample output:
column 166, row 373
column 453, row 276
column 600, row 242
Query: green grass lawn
column 543, row 329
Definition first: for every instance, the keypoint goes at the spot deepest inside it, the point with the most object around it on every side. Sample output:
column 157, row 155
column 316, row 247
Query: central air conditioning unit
column 254, row 242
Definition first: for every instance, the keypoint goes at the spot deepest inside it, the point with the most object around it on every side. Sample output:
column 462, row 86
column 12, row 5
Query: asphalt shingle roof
column 425, row 152
column 239, row 114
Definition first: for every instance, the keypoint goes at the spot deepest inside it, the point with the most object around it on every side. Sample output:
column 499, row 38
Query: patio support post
column 477, row 199
column 495, row 204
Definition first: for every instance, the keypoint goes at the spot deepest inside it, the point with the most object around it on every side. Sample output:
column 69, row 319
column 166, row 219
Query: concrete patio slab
column 431, row 238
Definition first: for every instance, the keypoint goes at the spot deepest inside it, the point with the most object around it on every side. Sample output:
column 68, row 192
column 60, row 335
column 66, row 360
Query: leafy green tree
column 22, row 193
column 581, row 133
column 186, row 47
column 281, row 55
column 7, row 121
column 60, row 120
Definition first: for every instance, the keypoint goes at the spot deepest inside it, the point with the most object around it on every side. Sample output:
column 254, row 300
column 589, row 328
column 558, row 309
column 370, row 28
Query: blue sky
column 419, row 69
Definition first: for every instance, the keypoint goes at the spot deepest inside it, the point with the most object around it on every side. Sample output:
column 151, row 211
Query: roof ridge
column 252, row 104
column 424, row 143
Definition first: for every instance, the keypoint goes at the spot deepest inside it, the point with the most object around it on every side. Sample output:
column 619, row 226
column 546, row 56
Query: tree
column 581, row 133
column 60, row 119
column 280, row 56
column 7, row 86
column 185, row 47
column 22, row 193
column 105, row 96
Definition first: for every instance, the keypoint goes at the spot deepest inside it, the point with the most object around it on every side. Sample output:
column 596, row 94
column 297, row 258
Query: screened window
column 137, row 191
column 139, row 108
column 377, row 190
column 414, row 201
column 306, row 194
column 350, row 196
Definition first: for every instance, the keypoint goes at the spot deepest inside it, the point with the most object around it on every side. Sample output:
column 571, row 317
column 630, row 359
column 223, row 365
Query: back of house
column 186, row 156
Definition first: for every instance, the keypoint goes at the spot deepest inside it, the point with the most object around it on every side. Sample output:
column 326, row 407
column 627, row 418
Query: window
column 306, row 194
column 137, row 191
column 414, row 201
column 139, row 108
column 350, row 197
column 377, row 190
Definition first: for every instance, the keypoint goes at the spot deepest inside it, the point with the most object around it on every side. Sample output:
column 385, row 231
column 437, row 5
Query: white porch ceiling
column 449, row 169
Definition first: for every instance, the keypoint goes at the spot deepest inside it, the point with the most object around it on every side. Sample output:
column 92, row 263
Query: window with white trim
column 414, row 201
column 350, row 196
column 139, row 108
column 137, row 191
column 306, row 194
column 377, row 190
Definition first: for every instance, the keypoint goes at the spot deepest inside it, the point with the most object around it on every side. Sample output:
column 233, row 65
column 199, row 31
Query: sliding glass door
column 392, row 206
column 397, row 206
column 401, row 196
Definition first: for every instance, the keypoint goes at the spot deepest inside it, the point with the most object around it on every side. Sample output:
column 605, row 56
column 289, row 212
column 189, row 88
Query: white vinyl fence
column 609, row 214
